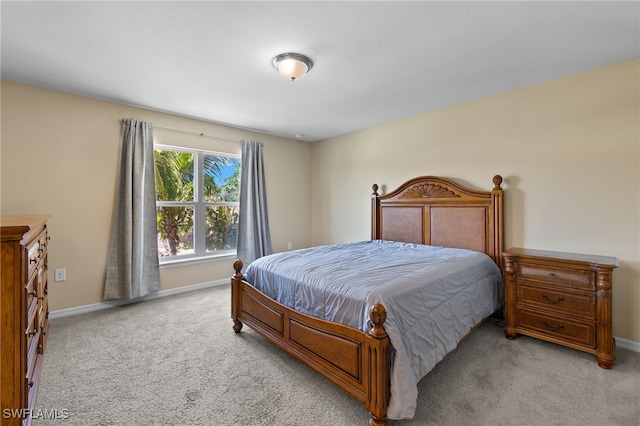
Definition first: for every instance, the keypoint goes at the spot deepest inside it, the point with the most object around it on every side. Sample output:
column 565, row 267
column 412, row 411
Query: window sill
column 194, row 260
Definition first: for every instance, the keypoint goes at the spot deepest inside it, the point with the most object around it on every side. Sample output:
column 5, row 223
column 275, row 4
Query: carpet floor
column 176, row 361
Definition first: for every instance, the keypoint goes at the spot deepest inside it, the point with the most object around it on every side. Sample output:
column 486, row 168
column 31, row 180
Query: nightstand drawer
column 562, row 302
column 580, row 332
column 557, row 276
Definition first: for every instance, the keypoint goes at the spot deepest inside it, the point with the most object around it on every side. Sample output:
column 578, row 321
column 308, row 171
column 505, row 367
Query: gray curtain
column 254, row 239
column 132, row 266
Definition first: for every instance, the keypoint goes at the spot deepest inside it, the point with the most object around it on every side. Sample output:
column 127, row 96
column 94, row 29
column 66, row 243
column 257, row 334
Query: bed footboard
column 356, row 361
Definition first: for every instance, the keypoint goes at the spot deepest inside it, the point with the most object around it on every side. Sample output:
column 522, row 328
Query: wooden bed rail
column 356, row 361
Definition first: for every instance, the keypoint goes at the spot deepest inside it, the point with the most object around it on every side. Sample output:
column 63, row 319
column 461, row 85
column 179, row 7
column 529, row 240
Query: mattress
column 433, row 297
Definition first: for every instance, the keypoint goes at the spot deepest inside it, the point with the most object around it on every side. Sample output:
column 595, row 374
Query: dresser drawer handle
column 33, row 260
column 30, row 333
column 553, row 275
column 553, row 302
column 560, row 326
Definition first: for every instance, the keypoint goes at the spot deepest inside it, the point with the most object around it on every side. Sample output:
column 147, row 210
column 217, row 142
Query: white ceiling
column 374, row 62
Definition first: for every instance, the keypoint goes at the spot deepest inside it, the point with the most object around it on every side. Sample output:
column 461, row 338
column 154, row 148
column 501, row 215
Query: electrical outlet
column 289, row 246
column 60, row 274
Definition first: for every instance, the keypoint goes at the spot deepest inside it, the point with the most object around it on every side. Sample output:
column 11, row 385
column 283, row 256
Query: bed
column 366, row 341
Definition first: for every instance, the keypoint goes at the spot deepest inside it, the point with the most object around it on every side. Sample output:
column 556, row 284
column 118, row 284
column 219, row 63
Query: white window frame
column 199, row 207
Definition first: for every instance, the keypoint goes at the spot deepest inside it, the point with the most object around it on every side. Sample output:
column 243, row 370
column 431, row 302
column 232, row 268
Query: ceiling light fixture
column 292, row 66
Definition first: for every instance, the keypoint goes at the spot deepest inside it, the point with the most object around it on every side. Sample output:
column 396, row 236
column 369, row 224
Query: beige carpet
column 177, row 361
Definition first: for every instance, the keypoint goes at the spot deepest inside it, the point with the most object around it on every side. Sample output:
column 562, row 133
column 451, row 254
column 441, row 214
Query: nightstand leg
column 606, row 344
column 510, row 300
column 605, row 361
column 511, row 335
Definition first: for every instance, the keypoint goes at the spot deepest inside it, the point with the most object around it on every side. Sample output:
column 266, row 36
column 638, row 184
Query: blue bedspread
column 433, row 297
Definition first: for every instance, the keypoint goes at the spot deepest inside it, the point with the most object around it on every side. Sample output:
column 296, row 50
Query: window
column 197, row 201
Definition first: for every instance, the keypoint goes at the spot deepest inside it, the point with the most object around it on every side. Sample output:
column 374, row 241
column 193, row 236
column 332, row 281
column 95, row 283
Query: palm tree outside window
column 197, row 200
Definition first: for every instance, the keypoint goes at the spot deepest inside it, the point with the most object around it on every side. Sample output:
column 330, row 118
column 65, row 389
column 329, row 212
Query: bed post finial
column 497, row 217
column 497, row 180
column 237, row 265
column 375, row 213
column 378, row 316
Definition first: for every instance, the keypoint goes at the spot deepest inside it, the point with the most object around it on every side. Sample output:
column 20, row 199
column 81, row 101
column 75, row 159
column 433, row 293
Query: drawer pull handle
column 33, row 260
column 553, row 275
column 553, row 302
column 41, row 298
column 32, row 293
column 560, row 326
column 31, row 383
column 30, row 333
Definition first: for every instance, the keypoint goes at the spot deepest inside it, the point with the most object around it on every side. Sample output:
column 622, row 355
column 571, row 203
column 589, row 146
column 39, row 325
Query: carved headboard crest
column 429, row 191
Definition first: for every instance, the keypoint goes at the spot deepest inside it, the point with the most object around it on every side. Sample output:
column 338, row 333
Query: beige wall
column 60, row 154
column 569, row 151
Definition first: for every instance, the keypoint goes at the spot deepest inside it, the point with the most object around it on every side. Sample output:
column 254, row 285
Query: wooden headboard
column 437, row 211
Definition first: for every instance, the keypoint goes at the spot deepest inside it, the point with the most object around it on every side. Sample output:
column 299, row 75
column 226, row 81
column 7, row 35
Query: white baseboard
column 627, row 344
column 61, row 313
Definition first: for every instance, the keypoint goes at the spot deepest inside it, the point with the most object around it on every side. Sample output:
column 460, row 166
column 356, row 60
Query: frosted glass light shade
column 292, row 66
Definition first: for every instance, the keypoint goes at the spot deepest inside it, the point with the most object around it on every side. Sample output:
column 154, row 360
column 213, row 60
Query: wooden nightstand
column 563, row 298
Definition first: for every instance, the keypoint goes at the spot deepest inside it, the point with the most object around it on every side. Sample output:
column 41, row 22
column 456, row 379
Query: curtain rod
column 192, row 133
column 196, row 133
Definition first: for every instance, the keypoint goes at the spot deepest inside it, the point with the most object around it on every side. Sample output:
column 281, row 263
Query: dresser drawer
column 44, row 335
column 33, row 256
column 32, row 355
column 579, row 332
column 32, row 380
column 32, row 330
column 43, row 309
column 44, row 238
column 580, row 304
column 570, row 278
column 33, row 326
column 31, row 301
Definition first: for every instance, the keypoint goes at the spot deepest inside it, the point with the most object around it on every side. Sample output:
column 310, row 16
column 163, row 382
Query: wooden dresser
column 563, row 298
column 23, row 314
